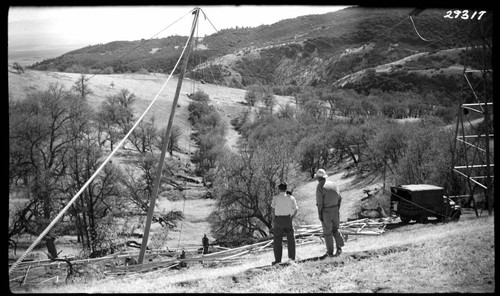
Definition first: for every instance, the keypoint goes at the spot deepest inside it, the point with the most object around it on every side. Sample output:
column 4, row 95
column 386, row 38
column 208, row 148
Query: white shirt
column 284, row 204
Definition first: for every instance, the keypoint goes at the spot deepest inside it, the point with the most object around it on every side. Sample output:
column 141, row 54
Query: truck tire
column 422, row 220
column 455, row 216
column 405, row 219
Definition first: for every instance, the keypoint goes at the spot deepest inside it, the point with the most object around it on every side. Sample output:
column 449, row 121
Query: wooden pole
column 26, row 276
column 164, row 144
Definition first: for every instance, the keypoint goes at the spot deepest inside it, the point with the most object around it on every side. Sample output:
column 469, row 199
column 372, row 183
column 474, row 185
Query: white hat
column 321, row 174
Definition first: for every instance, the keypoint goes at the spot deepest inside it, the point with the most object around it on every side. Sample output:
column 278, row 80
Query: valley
column 355, row 92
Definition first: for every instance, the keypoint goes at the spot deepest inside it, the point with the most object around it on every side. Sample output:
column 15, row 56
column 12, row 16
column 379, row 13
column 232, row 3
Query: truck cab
column 421, row 201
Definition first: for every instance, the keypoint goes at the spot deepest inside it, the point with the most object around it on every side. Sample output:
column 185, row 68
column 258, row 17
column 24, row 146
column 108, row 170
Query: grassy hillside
column 413, row 258
column 308, row 50
column 432, row 258
column 146, row 86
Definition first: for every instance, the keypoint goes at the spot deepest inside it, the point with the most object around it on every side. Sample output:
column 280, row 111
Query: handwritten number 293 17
column 464, row 14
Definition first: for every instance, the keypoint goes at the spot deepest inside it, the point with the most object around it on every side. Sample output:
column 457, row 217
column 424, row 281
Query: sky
column 43, row 27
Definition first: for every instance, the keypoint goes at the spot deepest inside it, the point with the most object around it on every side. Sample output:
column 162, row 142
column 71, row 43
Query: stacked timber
column 364, row 226
column 166, row 259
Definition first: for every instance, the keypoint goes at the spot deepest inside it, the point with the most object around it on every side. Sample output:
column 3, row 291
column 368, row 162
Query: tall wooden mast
column 165, row 142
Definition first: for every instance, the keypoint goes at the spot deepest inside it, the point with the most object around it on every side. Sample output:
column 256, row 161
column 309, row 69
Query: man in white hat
column 328, row 201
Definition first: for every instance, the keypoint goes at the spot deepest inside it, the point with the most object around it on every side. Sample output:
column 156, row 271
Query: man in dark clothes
column 182, row 256
column 205, row 243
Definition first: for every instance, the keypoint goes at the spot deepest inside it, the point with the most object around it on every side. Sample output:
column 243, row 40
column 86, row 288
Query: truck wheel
column 405, row 220
column 422, row 220
column 455, row 216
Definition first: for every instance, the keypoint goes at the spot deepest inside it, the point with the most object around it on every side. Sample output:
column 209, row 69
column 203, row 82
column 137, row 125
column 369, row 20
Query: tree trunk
column 51, row 246
column 353, row 156
column 84, row 227
column 78, row 226
column 49, row 240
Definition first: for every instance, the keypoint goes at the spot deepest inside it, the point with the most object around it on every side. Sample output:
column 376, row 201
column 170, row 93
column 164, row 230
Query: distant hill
column 312, row 50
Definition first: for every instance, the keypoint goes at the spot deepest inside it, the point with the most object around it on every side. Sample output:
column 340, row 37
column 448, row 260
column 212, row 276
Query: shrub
column 200, row 96
column 142, row 71
column 76, row 68
column 448, row 114
column 18, row 68
column 251, row 97
column 108, row 70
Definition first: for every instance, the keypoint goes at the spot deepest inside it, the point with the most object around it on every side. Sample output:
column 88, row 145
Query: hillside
column 381, row 263
column 227, row 102
column 146, row 86
column 315, row 50
column 433, row 258
column 349, row 77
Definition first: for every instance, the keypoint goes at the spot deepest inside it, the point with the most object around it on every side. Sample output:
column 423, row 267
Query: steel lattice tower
column 473, row 156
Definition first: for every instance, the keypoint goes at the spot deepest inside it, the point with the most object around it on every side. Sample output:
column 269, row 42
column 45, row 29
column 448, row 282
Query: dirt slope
column 146, row 87
column 351, row 189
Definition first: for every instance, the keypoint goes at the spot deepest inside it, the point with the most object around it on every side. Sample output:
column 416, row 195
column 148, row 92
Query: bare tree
column 101, row 199
column 116, row 114
column 41, row 129
column 312, row 153
column 82, row 87
column 144, row 136
column 245, row 185
column 173, row 144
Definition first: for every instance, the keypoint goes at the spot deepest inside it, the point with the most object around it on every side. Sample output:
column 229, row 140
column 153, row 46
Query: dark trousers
column 205, row 250
column 283, row 226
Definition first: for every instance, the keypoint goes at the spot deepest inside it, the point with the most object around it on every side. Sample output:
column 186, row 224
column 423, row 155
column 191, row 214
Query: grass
column 417, row 258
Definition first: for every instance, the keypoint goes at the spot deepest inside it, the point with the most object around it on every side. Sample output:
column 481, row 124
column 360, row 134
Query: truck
column 420, row 201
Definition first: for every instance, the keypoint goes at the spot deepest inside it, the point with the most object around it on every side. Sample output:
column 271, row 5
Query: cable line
column 411, row 19
column 129, row 52
column 141, row 44
column 157, row 179
column 386, row 30
column 105, row 162
column 250, row 72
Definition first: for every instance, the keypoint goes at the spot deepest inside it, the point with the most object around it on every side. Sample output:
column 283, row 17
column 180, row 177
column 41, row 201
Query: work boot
column 326, row 255
column 275, row 262
column 339, row 251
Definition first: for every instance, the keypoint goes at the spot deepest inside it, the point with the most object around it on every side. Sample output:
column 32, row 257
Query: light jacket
column 327, row 195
